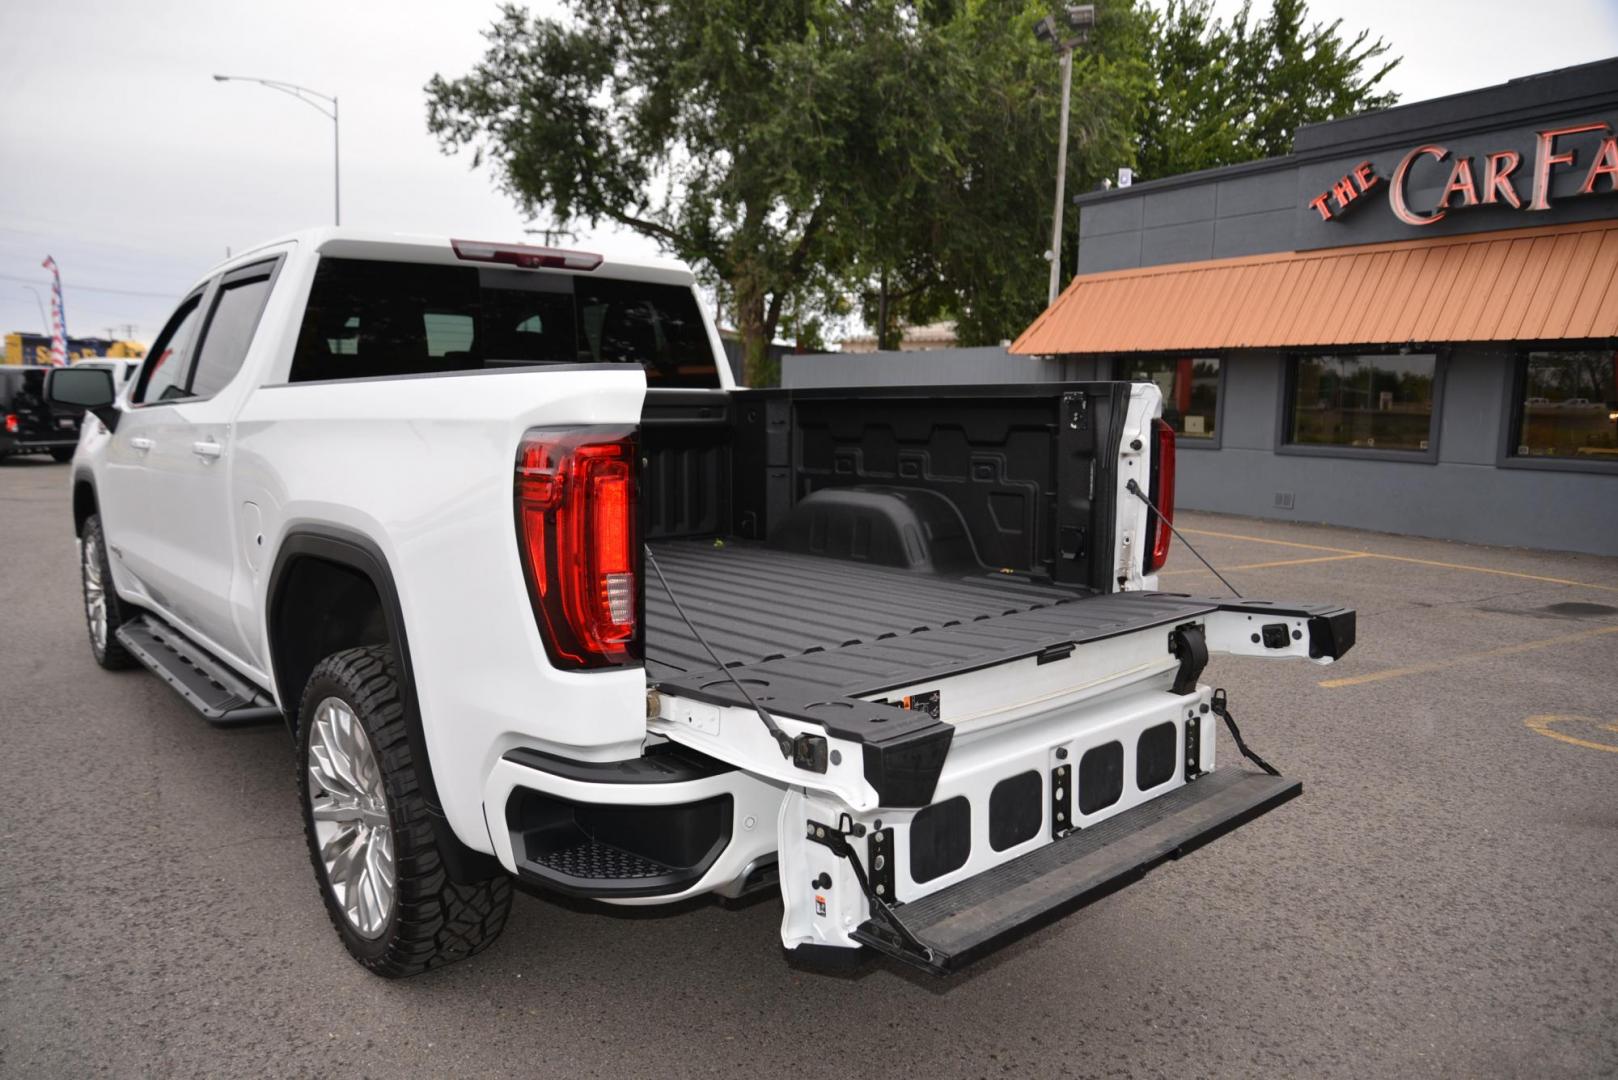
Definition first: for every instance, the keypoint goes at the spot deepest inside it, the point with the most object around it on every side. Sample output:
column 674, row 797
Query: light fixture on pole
column 1064, row 36
column 313, row 99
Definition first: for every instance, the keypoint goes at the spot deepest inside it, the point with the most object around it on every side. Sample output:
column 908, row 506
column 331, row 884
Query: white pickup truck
column 541, row 595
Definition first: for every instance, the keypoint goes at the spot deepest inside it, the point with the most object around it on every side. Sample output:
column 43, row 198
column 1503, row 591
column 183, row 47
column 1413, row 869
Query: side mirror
column 82, row 390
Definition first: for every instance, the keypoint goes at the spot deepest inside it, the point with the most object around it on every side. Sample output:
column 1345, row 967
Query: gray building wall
column 1470, row 490
column 1464, row 495
column 930, row 367
column 1263, row 206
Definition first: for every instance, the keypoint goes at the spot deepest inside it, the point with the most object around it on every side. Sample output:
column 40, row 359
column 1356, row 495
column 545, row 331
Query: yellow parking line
column 1277, row 543
column 1452, row 661
column 1501, row 573
column 1406, row 559
column 1268, row 565
column 1542, row 724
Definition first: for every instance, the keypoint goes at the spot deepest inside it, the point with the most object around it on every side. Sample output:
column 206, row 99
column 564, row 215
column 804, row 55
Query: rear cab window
column 371, row 318
column 236, row 309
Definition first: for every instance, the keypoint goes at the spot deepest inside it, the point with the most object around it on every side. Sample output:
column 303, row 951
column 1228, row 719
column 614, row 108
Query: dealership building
column 1408, row 324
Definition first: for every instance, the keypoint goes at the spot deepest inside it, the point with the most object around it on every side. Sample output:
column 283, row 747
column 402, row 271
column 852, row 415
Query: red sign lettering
column 1544, row 158
column 1396, row 188
column 1361, row 179
column 1461, row 189
column 1605, row 164
column 1497, row 178
column 1460, row 183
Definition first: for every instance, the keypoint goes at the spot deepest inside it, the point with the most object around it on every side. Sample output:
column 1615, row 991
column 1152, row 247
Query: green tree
column 1227, row 93
column 719, row 128
column 790, row 149
column 959, row 231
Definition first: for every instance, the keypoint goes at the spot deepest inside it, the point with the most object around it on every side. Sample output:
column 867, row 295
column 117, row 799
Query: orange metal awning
column 1543, row 284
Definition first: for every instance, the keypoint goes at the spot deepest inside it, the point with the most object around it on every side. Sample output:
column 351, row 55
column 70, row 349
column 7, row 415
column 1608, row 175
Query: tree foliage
column 897, row 152
column 1237, row 91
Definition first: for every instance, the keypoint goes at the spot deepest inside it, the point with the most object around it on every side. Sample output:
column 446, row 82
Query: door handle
column 140, row 443
column 206, row 449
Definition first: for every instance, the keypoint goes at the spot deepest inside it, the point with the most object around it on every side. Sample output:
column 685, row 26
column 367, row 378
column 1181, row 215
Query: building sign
column 1498, row 180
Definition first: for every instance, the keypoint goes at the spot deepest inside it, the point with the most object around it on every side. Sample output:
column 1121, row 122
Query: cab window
column 236, row 309
column 163, row 376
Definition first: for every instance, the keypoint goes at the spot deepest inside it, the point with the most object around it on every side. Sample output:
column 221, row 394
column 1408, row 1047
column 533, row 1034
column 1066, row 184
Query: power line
column 92, row 288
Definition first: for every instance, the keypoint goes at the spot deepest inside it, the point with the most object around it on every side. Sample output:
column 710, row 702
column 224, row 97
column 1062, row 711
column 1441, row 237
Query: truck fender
column 357, row 552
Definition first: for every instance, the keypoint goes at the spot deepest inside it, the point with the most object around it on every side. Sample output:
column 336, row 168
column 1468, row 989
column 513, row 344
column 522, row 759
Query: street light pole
column 1061, row 178
column 311, row 98
column 1079, row 20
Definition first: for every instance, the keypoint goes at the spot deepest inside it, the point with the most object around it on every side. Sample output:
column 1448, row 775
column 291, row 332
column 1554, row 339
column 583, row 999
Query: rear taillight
column 1162, row 496
column 12, row 425
column 576, row 530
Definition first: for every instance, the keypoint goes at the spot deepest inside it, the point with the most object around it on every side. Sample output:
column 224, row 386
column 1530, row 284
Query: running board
column 206, row 683
column 962, row 923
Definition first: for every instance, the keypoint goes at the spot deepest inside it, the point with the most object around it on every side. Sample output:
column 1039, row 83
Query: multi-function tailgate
column 971, row 756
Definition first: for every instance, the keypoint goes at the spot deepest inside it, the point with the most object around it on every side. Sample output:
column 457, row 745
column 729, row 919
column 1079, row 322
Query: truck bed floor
column 845, row 628
column 755, row 603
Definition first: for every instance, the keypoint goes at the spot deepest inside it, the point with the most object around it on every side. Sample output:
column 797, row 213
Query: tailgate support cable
column 1134, row 489
column 782, row 739
column 1219, row 706
column 1222, row 710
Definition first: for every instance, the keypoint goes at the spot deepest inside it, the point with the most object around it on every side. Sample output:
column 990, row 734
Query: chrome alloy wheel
column 95, row 593
column 350, row 810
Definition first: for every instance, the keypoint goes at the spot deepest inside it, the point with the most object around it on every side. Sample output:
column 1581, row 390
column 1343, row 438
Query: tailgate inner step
column 206, row 683
column 961, row 923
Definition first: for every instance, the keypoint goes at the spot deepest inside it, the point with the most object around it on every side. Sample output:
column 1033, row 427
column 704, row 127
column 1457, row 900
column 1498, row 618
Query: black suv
column 30, row 422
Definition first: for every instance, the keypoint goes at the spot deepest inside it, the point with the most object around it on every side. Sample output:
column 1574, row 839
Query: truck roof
column 358, row 242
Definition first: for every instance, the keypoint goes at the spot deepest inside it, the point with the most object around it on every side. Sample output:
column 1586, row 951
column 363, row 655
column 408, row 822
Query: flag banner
column 58, row 314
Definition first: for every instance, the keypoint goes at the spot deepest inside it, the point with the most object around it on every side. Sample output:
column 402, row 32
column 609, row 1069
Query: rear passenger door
column 189, row 480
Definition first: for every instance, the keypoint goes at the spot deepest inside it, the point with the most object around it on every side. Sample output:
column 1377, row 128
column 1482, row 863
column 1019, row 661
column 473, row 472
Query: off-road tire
column 434, row 921
column 110, row 654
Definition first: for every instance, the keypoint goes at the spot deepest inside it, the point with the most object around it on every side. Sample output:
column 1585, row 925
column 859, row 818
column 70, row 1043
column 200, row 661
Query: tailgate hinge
column 1188, row 643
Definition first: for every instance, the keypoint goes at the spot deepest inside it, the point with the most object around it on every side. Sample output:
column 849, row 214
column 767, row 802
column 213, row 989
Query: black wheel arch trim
column 83, row 477
column 356, row 551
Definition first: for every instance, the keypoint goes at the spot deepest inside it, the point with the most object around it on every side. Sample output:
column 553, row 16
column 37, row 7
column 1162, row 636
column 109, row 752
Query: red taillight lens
column 1162, row 495
column 11, row 424
column 577, row 534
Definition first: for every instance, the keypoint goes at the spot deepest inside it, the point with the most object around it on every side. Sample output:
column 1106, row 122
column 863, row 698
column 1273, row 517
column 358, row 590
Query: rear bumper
column 22, row 444
column 973, row 918
column 649, row 830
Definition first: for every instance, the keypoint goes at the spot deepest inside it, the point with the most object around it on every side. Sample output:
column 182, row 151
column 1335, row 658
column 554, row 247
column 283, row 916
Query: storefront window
column 1567, row 405
column 1374, row 402
column 1190, row 388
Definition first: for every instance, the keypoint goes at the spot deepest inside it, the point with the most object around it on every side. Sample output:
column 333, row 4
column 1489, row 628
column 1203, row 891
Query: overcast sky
column 127, row 162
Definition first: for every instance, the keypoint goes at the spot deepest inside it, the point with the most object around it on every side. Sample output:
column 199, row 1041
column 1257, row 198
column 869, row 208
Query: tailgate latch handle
column 1188, row 644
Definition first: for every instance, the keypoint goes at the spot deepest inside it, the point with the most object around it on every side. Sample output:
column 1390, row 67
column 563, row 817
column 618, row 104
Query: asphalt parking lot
column 1441, row 901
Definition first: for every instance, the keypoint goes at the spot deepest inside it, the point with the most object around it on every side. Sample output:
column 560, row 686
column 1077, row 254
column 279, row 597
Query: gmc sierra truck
column 541, row 595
